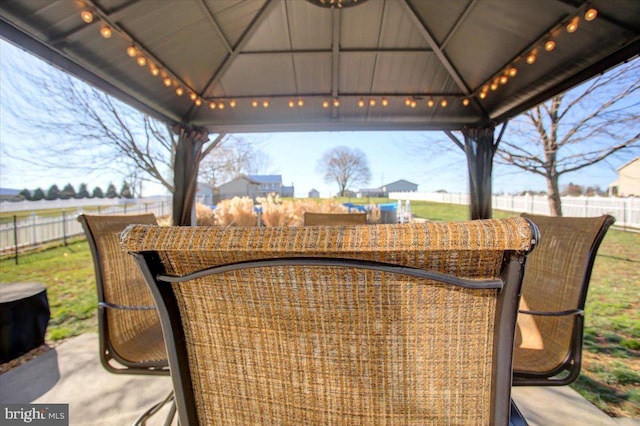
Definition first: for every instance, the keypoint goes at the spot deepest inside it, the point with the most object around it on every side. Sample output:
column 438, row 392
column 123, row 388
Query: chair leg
column 142, row 419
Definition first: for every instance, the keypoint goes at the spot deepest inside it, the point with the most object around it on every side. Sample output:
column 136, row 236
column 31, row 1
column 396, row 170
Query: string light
column 212, row 105
column 265, row 104
column 444, row 103
column 572, row 26
column 167, row 82
column 105, row 31
column 154, row 70
column 86, row 16
column 325, row 104
column 142, row 61
column 531, row 58
column 413, row 103
column 193, row 96
column 220, row 105
column 482, row 95
column 431, row 103
column 549, row 45
column 179, row 91
column 512, row 72
column 372, row 102
column 232, row 103
column 132, row 51
column 504, row 79
column 590, row 14
column 300, row 102
column 385, row 102
column 360, row 103
column 465, row 102
column 291, row 103
column 254, row 103
column 198, row 102
column 407, row 101
column 336, row 102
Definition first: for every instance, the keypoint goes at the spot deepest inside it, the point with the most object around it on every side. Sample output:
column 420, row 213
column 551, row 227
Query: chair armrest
column 125, row 307
column 579, row 312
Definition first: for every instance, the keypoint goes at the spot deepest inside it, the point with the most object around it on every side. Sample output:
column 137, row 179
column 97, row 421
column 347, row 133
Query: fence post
column 15, row 235
column 64, row 227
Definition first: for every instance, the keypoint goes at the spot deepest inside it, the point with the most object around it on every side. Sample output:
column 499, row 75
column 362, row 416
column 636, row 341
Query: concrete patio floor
column 71, row 374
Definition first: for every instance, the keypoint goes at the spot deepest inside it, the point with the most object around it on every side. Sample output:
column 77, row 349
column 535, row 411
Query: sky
column 428, row 159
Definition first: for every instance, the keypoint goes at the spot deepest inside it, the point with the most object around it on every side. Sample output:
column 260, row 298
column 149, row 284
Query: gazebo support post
column 479, row 147
column 191, row 140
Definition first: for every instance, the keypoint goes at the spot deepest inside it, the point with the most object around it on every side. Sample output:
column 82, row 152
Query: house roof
column 627, row 164
column 266, row 178
column 281, row 65
column 401, row 181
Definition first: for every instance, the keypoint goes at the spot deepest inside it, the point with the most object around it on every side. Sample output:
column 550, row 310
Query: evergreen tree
column 83, row 192
column 38, row 195
column 53, row 193
column 111, row 191
column 67, row 192
column 125, row 191
column 26, row 194
column 97, row 192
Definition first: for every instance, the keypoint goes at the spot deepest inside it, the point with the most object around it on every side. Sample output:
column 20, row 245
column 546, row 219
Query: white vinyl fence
column 625, row 210
column 23, row 230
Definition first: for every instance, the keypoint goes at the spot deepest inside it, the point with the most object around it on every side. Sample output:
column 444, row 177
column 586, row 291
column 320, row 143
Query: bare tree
column 232, row 157
column 577, row 129
column 344, row 166
column 71, row 125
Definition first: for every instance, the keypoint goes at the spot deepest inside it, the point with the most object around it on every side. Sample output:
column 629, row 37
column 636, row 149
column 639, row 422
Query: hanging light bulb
column 407, row 102
column 179, row 91
column 300, row 102
column 372, row 102
column 254, row 103
column 494, row 86
column 504, row 79
column 265, row 104
column 360, row 103
column 212, row 105
column 232, row 103
column 549, row 45
column 142, row 61
column 291, row 103
column 385, row 102
column 512, row 72
column 325, row 104
column 482, row 95
column 590, row 14
column 198, row 101
column 220, row 105
column 193, row 96
column 86, row 16
column 444, row 103
column 431, row 103
column 167, row 81
column 132, row 51
column 336, row 102
column 154, row 70
column 531, row 58
column 465, row 102
column 572, row 26
column 413, row 103
column 105, row 31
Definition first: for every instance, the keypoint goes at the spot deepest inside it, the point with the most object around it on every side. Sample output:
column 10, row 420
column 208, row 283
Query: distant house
column 628, row 182
column 383, row 191
column 253, row 186
column 7, row 194
column 242, row 186
column 205, row 194
column 314, row 193
column 271, row 184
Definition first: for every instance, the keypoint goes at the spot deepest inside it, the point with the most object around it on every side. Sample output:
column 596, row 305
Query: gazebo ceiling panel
column 235, row 51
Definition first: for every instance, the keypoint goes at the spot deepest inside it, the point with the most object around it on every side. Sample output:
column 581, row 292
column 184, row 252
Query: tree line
column 69, row 192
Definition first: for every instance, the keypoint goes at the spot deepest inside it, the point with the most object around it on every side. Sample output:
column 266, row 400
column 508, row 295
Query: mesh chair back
column 313, row 219
column 389, row 324
column 555, row 290
column 129, row 325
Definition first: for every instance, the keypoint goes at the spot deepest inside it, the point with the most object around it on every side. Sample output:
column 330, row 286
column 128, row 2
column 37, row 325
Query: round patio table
column 24, row 316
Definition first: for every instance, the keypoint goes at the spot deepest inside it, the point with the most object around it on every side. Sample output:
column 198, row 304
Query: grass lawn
column 611, row 368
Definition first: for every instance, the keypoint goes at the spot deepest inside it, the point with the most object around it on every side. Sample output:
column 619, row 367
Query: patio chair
column 130, row 335
column 312, row 219
column 393, row 324
column 550, row 328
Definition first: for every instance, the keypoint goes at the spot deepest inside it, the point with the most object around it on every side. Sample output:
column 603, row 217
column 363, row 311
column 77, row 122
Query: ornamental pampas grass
column 237, row 211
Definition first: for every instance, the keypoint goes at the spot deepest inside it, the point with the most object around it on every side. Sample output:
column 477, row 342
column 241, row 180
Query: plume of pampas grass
column 236, row 211
column 205, row 215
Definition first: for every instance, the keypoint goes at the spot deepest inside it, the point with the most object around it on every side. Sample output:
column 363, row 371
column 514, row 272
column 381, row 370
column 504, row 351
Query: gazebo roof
column 313, row 65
